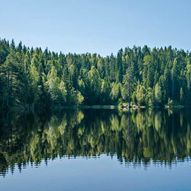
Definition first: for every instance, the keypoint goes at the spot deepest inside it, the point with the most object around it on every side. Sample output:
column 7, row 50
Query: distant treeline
column 33, row 79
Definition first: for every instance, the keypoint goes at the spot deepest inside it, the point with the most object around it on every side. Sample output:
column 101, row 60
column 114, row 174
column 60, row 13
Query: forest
column 32, row 79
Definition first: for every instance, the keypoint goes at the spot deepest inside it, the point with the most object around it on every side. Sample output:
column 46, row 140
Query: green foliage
column 115, row 91
column 36, row 79
column 158, row 93
column 140, row 94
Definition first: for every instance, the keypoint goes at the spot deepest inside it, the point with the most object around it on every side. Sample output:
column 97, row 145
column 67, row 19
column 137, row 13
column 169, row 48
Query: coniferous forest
column 36, row 79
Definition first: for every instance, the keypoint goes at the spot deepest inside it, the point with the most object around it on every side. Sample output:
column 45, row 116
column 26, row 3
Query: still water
column 96, row 150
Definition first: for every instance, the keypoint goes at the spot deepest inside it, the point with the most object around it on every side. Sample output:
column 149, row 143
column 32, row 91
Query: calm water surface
column 96, row 150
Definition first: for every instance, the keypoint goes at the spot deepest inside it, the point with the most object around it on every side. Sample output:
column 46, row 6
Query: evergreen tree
column 32, row 79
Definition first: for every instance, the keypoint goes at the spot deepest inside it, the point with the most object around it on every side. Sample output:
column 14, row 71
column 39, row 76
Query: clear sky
column 101, row 26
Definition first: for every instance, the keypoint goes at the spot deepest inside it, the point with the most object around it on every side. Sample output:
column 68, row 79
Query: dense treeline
column 33, row 78
column 138, row 138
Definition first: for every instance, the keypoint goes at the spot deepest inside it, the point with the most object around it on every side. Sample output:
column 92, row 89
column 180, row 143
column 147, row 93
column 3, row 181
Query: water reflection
column 139, row 138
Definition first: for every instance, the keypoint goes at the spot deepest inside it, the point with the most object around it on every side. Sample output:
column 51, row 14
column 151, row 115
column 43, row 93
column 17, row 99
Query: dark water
column 96, row 150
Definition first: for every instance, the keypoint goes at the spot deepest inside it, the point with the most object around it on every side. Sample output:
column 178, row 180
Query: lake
column 94, row 149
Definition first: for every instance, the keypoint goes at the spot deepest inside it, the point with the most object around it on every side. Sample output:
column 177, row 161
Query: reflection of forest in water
column 139, row 137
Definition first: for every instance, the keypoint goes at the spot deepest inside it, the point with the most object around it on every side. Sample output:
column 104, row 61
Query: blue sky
column 101, row 26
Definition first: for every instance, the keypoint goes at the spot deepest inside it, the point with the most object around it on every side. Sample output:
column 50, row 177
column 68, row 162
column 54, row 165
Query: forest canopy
column 33, row 79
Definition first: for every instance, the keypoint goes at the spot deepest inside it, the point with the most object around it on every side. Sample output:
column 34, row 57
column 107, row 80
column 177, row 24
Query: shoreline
column 119, row 108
